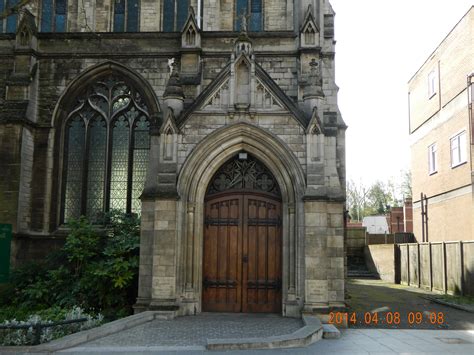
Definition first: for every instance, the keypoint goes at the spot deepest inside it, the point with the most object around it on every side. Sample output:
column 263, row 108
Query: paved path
column 195, row 330
column 368, row 295
column 353, row 341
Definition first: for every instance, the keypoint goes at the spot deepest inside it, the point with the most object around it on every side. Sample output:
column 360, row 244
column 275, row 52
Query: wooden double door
column 242, row 254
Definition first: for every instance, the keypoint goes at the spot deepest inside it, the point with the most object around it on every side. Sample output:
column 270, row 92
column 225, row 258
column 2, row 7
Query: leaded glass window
column 106, row 148
column 126, row 15
column 8, row 23
column 53, row 15
column 175, row 13
column 253, row 10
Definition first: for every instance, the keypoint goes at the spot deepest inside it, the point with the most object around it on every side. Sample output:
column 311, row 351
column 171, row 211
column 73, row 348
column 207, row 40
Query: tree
column 377, row 198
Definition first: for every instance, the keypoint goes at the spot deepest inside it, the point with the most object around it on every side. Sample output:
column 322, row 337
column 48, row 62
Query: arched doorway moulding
column 193, row 180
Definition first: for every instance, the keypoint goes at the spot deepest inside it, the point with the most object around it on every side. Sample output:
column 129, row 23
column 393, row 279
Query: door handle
column 245, row 259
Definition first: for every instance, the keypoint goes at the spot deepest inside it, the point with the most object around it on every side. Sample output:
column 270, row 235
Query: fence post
column 461, row 259
column 408, row 264
column 445, row 271
column 419, row 265
column 36, row 333
column 431, row 267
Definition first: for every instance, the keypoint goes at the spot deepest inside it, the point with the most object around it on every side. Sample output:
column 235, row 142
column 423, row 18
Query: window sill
column 458, row 164
column 433, row 172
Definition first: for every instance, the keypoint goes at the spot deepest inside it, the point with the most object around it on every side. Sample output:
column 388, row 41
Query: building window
column 8, row 24
column 433, row 158
column 175, row 13
column 251, row 8
column 458, row 149
column 54, row 16
column 126, row 15
column 106, row 149
column 432, row 81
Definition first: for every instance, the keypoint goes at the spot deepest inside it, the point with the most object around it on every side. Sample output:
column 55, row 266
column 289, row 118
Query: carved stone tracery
column 243, row 174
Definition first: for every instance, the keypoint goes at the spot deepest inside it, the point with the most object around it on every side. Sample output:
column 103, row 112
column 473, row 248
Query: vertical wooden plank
column 461, row 264
column 445, row 274
column 431, row 266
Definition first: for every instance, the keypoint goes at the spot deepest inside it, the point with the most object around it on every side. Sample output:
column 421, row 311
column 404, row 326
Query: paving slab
column 352, row 341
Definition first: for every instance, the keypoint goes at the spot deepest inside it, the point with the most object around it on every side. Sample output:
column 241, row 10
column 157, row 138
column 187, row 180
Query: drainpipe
column 199, row 3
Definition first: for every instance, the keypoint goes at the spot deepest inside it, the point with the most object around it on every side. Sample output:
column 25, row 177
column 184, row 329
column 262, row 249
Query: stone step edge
column 311, row 332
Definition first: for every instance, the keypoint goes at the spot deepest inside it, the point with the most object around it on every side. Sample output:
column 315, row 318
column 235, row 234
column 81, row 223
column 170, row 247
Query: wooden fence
column 438, row 266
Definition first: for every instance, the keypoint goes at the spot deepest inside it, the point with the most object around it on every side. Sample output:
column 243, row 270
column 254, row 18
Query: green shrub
column 96, row 269
column 27, row 336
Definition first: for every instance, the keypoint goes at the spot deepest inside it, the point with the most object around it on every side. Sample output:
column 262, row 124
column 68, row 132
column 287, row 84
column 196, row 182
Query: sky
column 380, row 46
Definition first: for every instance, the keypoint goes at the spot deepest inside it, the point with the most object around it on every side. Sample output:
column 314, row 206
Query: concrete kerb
column 75, row 339
column 469, row 309
column 311, row 332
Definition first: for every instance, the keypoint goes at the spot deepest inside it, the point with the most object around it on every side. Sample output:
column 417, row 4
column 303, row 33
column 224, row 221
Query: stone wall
column 324, row 255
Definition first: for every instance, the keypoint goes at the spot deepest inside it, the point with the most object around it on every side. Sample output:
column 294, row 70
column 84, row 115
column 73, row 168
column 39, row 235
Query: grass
column 461, row 300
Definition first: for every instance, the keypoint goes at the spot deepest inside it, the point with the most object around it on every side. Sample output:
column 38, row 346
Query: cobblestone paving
column 195, row 330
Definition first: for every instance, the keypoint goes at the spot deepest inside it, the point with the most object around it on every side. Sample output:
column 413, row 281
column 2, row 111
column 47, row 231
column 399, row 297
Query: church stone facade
column 217, row 122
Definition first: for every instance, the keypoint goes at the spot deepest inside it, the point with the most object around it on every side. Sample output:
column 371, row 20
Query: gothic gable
column 244, row 87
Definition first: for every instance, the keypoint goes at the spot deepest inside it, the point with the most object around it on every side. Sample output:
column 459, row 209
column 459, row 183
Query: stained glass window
column 253, row 10
column 175, row 13
column 11, row 19
column 126, row 15
column 74, row 159
column 53, row 15
column 141, row 147
column 106, row 150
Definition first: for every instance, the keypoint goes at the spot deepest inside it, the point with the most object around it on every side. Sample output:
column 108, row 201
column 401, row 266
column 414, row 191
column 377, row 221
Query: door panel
column 261, row 282
column 242, row 254
column 222, row 257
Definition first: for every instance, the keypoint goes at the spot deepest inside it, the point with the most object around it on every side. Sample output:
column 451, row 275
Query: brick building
column 216, row 121
column 441, row 134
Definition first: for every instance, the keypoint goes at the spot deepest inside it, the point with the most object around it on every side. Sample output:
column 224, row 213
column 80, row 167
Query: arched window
column 251, row 8
column 126, row 15
column 175, row 13
column 106, row 150
column 8, row 24
column 53, row 15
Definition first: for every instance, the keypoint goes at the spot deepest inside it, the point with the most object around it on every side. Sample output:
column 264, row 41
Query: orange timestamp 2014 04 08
column 388, row 318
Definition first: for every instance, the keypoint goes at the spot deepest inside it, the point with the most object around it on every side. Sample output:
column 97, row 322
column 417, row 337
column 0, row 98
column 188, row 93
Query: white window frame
column 432, row 87
column 458, row 148
column 432, row 159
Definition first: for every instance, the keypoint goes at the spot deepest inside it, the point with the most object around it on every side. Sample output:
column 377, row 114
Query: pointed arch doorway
column 242, row 256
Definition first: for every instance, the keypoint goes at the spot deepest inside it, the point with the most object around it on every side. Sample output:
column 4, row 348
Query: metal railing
column 38, row 327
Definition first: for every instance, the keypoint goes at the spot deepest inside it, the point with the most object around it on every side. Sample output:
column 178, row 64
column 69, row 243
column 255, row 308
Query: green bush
column 27, row 336
column 96, row 270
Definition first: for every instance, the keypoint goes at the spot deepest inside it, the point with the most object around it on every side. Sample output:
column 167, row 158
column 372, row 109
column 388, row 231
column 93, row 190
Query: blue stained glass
column 168, row 16
column 255, row 23
column 119, row 16
column 60, row 23
column 61, row 7
column 183, row 6
column 12, row 19
column 1, row 11
column 132, row 15
column 241, row 7
column 46, row 16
